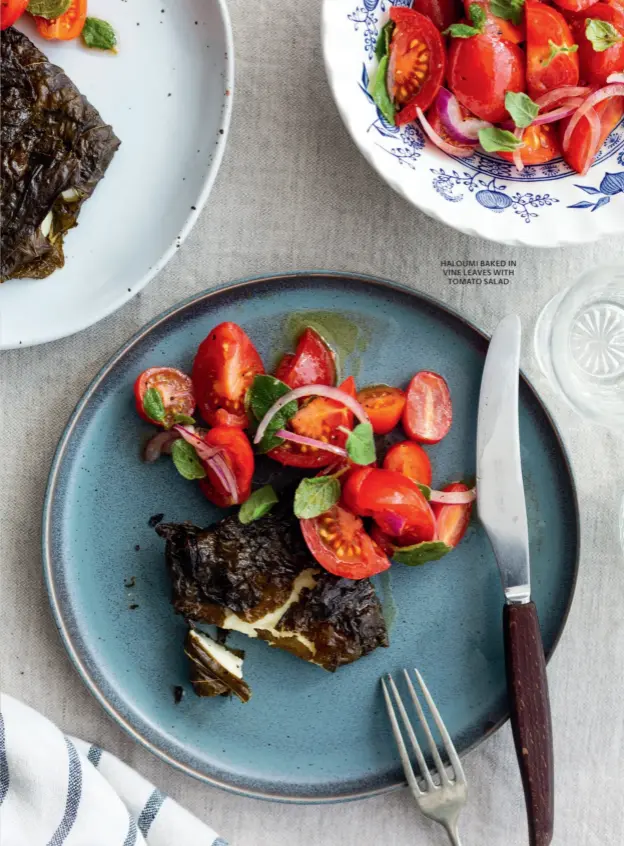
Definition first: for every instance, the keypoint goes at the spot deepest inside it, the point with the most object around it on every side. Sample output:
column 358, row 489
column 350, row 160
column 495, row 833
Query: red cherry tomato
column 541, row 145
column 428, row 412
column 10, row 11
column 175, row 389
column 452, row 520
column 411, row 460
column 238, row 455
column 225, row 366
column 580, row 154
column 312, row 364
column 340, row 544
column 417, row 62
column 442, row 13
column 351, row 490
column 384, row 406
column 65, row 27
column 481, row 70
column 318, row 419
column 597, row 66
column 498, row 27
column 398, row 506
column 546, row 26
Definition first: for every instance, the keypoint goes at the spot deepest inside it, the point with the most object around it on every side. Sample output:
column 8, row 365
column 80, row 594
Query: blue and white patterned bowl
column 545, row 206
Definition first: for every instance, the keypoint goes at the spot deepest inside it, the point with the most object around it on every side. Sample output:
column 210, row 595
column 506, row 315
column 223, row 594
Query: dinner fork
column 441, row 801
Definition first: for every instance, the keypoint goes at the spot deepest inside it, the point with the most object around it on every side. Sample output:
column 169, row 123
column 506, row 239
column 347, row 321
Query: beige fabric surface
column 294, row 193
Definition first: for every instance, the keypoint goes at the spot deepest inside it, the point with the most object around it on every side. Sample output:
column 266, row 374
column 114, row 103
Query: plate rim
column 227, row 105
column 52, row 485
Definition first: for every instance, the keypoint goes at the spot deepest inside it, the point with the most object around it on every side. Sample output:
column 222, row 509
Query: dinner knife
column 502, row 511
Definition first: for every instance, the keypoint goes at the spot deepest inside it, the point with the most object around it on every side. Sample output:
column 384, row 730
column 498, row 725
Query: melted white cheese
column 46, row 225
column 230, row 662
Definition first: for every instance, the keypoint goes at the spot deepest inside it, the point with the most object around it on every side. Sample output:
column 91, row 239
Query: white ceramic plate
column 544, row 206
column 168, row 95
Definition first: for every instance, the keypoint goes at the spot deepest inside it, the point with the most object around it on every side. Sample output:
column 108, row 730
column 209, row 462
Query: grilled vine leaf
column 216, row 670
column 55, row 148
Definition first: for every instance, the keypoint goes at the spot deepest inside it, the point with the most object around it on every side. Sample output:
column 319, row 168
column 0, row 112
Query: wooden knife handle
column 527, row 687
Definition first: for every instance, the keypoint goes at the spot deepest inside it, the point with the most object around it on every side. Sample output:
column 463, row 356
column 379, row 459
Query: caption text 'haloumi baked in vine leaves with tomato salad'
column 525, row 79
column 293, row 566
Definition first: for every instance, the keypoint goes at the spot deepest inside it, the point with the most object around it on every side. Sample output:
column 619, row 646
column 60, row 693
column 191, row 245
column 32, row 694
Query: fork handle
column 527, row 687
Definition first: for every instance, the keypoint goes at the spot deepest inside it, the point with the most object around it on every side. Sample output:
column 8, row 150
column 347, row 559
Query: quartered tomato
column 384, row 406
column 452, row 520
column 313, row 363
column 417, row 63
column 176, row 394
column 398, row 506
column 351, row 490
column 411, row 460
column 498, row 27
column 481, row 70
column 541, row 145
column 443, row 13
column 319, row 419
column 225, row 366
column 596, row 65
column 10, row 11
column 580, row 154
column 238, row 455
column 428, row 412
column 547, row 31
column 67, row 26
column 338, row 541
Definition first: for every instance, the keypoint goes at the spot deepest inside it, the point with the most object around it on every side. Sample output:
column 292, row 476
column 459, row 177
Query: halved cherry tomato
column 319, row 418
column 10, row 11
column 428, row 412
column 579, row 154
column 596, row 66
column 225, row 365
column 398, row 506
column 384, row 406
column 452, row 520
column 498, row 27
column 434, row 118
column 417, row 62
column 411, row 460
column 67, row 26
column 481, row 70
column 546, row 26
column 175, row 389
column 443, row 13
column 541, row 145
column 351, row 490
column 340, row 544
column 238, row 455
column 312, row 364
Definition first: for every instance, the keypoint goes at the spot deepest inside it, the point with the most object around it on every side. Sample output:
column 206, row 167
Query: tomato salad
column 356, row 513
column 525, row 79
column 61, row 20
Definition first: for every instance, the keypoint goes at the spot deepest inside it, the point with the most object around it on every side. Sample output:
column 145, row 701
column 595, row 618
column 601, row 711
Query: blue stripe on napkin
column 74, row 792
column 220, row 842
column 148, row 814
column 94, row 754
column 4, row 764
column 132, row 833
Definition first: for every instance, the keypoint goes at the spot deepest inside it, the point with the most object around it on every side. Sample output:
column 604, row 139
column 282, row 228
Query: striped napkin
column 60, row 791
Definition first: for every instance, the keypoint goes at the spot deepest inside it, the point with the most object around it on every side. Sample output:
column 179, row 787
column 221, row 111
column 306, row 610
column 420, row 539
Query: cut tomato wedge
column 176, row 395
column 452, row 520
column 598, row 65
column 411, row 460
column 384, row 406
column 340, row 544
column 351, row 490
column 313, row 363
column 398, row 506
column 238, row 454
column 541, row 145
column 546, row 27
column 581, row 152
column 10, row 11
column 428, row 412
column 498, row 27
column 65, row 27
column 443, row 13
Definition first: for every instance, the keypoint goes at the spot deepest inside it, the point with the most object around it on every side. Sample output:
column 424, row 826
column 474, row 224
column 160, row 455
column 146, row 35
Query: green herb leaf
column 153, row 405
column 258, row 504
column 509, row 10
column 478, row 17
column 360, row 444
column 186, row 460
column 382, row 48
column 602, row 34
column 99, row 34
column 522, row 109
column 379, row 91
column 48, row 8
column 263, row 393
column 425, row 490
column 316, row 496
column 184, row 419
column 494, row 140
column 557, row 50
column 421, row 553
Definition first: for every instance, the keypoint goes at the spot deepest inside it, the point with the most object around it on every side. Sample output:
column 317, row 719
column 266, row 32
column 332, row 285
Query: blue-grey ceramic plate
column 306, row 735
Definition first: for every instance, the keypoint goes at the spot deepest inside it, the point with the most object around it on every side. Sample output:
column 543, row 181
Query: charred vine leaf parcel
column 55, row 150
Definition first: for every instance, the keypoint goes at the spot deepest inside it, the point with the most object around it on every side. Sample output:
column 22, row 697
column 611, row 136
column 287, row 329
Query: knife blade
column 501, row 505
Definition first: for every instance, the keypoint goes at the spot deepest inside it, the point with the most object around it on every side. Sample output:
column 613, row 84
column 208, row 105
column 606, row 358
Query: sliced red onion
column 557, row 95
column 204, row 452
column 517, row 154
column 311, row 442
column 464, row 130
column 616, row 90
column 218, row 464
column 560, row 113
column 160, row 443
column 462, row 152
column 454, row 497
column 615, row 77
column 311, row 391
